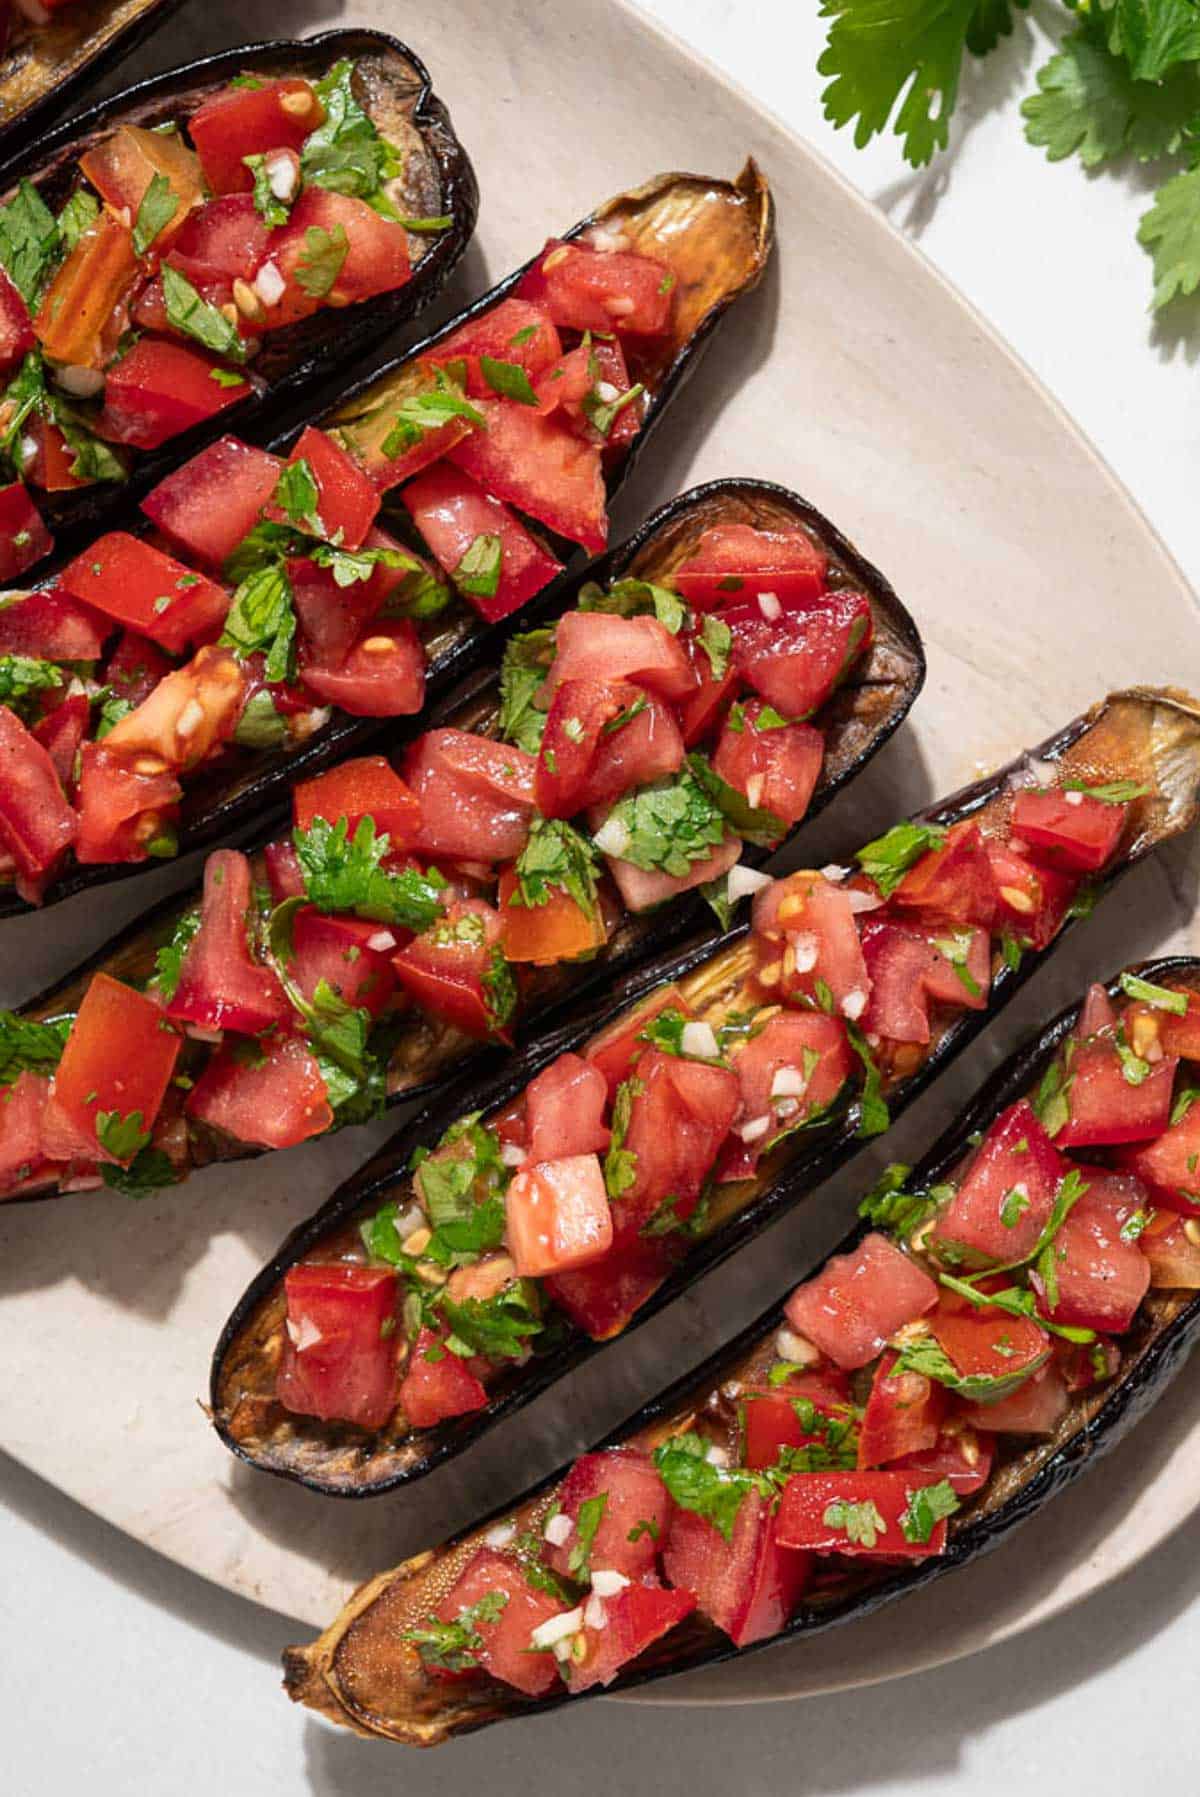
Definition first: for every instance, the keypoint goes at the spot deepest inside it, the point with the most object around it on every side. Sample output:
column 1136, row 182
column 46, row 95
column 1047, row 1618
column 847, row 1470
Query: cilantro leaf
column 429, row 411
column 499, row 1328
column 1088, row 102
column 121, row 1135
column 555, row 857
column 343, row 873
column 591, row 1515
column 695, row 1483
column 296, row 494
column 861, row 1523
column 716, row 640
column 1171, row 231
column 29, row 241
column 753, row 823
column 620, row 1163
column 22, row 676
column 509, row 380
column 456, row 1646
column 888, row 858
column 346, row 153
column 271, row 209
column 667, row 826
column 1153, row 36
column 478, row 573
column 149, row 1171
column 927, row 1507
column 262, row 616
column 30, row 1047
column 80, row 211
column 168, row 962
column 632, row 598
column 522, row 674
column 873, row 1114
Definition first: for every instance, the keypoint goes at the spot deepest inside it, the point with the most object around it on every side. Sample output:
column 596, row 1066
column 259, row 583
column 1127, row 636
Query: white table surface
column 123, row 1674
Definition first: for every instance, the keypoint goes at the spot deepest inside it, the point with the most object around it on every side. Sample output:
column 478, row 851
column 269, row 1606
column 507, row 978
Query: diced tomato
column 992, row 1349
column 1035, row 1408
column 376, row 259
column 190, row 712
column 135, row 667
column 748, row 1586
column 1004, row 1201
column 909, row 971
column 815, row 919
column 600, row 646
column 813, row 1507
column 238, row 122
column 49, row 623
column 447, row 969
column 633, row 1522
column 284, row 874
column 795, row 659
column 62, row 731
column 121, row 167
column 739, row 561
column 382, row 677
column 1069, row 829
column 512, row 331
column 586, row 378
column 575, row 724
column 1097, row 1013
column 333, row 618
column 1178, row 1035
column 677, row 1123
column 616, row 1048
column 1100, row 1278
column 452, row 512
column 634, row 1620
column 476, row 796
column 21, row 1107
column 642, row 890
column 128, row 579
column 904, row 1415
column 700, row 714
column 389, row 447
column 539, row 465
column 213, row 501
column 437, row 1384
column 226, row 239
column 339, row 1346
column 24, row 538
column 793, row 1068
column 52, row 467
column 37, row 826
column 1173, row 1255
column 84, row 308
column 771, row 1418
column 505, row 1653
column 962, row 1455
column 564, row 1110
column 346, row 500
column 954, row 881
column 118, row 1062
column 1104, row 1107
column 776, row 769
column 338, row 951
column 557, row 1216
column 221, row 985
column 1031, row 902
column 367, row 787
column 558, row 929
column 601, row 1299
column 857, row 1302
column 589, row 290
column 159, row 388
column 1170, row 1166
column 268, row 1095
column 124, row 805
column 16, row 327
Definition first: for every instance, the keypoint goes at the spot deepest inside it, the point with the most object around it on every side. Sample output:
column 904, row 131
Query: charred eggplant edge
column 373, row 1181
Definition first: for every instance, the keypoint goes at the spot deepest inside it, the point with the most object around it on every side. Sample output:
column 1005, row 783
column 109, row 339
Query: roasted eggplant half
column 161, row 288
column 512, row 1230
column 431, row 904
column 1021, row 1299
column 48, row 51
column 371, row 568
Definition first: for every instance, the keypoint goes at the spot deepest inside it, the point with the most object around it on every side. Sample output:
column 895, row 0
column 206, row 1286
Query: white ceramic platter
column 857, row 376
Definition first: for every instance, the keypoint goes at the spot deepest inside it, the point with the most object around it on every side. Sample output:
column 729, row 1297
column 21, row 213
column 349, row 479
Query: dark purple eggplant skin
column 825, row 1153
column 88, row 68
column 261, row 787
column 1088, row 1433
column 859, row 720
column 299, row 360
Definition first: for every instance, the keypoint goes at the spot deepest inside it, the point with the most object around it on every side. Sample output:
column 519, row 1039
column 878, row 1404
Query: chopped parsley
column 555, row 857
column 1162, row 998
column 889, row 857
column 30, row 1047
column 478, row 573
column 158, row 206
column 522, row 675
column 168, row 962
column 456, row 1646
column 669, row 826
column 860, row 1523
column 343, row 873
column 927, row 1507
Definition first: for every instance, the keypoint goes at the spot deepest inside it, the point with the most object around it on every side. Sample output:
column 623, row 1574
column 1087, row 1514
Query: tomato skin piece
column 1015, row 1153
column 1032, row 901
column 584, row 762
column 275, row 1101
column 1173, row 1256
column 702, row 712
column 787, row 1043
column 284, row 875
column 776, row 770
column 962, row 1455
column 857, row 1302
column 213, row 501
column 601, row 1299
column 239, row 122
column 990, row 1344
column 83, row 310
column 160, row 388
column 451, row 510
column 494, row 334
column 564, row 1110
column 61, row 733
column 336, row 1361
column 24, row 538
column 1178, row 1035
column 539, row 465
column 1101, row 1278
column 49, row 623
column 37, row 826
column 616, row 1049
column 332, row 618
column 347, row 502
column 225, row 239
column 602, row 647
column 121, row 810
column 16, row 327
column 904, row 1415
column 542, row 935
column 580, row 373
column 476, row 796
column 444, row 969
column 795, row 660
column 589, row 290
column 1170, row 1166
column 21, row 1107
column 641, row 890
column 382, row 677
column 677, row 1123
column 954, row 882
column 366, row 787
column 126, row 578
column 628, row 1481
column 221, row 986
column 505, row 1653
column 748, row 1586
column 557, row 1216
column 807, row 1497
column 908, row 973
column 120, row 1056
column 433, row 1390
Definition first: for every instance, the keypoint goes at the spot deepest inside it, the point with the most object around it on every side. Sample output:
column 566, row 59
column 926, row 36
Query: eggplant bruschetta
column 205, row 244
column 420, row 909
column 49, row 47
column 502, row 1240
column 271, row 615
column 1003, row 1316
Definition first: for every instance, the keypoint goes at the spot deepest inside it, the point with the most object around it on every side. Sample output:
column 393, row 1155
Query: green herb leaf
column 346, row 153
column 1163, row 998
column 860, row 1523
column 670, row 825
column 753, row 823
column 620, row 1163
column 927, row 1507
column 121, row 1135
column 889, row 857
column 478, row 573
column 158, row 206
column 30, row 1047
column 633, row 598
column 1113, row 792
column 81, row 211
column 601, row 413
column 262, row 616
column 429, row 411
column 343, row 873
column 324, row 255
column 716, row 640
column 149, row 1171
column 1089, row 103
column 873, row 1114
column 591, row 1515
column 508, row 379
column 189, row 312
column 168, row 962
column 296, row 493
column 555, row 857
column 714, row 1492
column 522, row 674
column 270, row 208
column 456, row 1646
column 499, row 1328
column 29, row 242
column 24, row 676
